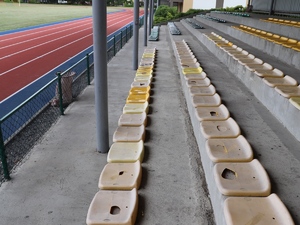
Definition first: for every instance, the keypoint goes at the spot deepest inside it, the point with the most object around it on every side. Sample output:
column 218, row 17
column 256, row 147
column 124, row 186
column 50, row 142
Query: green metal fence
column 22, row 128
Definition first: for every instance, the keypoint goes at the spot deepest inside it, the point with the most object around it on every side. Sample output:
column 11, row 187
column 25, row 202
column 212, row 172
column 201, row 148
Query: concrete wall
column 187, row 4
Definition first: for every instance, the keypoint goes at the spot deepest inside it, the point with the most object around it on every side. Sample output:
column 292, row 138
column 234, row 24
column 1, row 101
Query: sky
column 208, row 4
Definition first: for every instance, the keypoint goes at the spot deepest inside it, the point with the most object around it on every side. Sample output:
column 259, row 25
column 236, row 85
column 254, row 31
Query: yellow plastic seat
column 281, row 40
column 140, row 84
column 113, row 208
column 220, row 129
column 136, row 108
column 125, row 152
column 195, row 76
column 242, row 179
column 137, row 98
column 134, row 120
column 139, row 90
column 229, row 149
column 212, row 113
column 192, row 70
column 288, row 91
column 196, row 90
column 269, row 73
column 198, row 82
column 148, row 55
column 290, row 43
column 238, row 53
column 256, row 210
column 295, row 101
column 206, row 101
column 120, row 176
column 129, row 134
column 280, row 81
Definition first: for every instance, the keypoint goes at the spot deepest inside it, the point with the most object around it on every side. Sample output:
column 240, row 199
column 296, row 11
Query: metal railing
column 22, row 127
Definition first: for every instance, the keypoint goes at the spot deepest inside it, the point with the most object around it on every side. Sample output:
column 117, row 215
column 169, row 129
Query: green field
column 15, row 16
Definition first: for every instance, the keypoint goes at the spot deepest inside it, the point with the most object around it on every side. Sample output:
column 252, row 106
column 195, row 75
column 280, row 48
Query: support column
column 100, row 74
column 136, row 34
column 145, row 22
column 272, row 8
column 151, row 2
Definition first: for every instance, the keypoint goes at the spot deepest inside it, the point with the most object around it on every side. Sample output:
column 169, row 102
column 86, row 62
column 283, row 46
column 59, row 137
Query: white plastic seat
column 113, row 208
column 195, row 76
column 256, row 210
column 295, row 101
column 120, row 152
column 288, row 91
column 269, row 73
column 136, row 108
column 129, row 134
column 229, row 149
column 133, row 119
column 140, row 83
column 195, row 90
column 212, row 113
column 280, row 81
column 121, row 176
column 220, row 129
column 213, row 100
column 198, row 82
column 242, row 179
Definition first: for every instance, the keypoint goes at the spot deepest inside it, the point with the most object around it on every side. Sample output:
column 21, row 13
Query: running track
column 27, row 56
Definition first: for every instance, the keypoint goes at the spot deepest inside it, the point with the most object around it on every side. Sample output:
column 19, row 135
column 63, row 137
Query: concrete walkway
column 57, row 181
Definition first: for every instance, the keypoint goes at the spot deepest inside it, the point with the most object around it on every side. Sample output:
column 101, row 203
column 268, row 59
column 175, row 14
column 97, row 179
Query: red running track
column 25, row 56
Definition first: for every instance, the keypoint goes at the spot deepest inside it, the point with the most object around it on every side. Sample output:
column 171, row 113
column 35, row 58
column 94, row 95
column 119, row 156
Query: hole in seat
column 121, row 173
column 213, row 113
column 114, row 210
column 228, row 174
column 222, row 129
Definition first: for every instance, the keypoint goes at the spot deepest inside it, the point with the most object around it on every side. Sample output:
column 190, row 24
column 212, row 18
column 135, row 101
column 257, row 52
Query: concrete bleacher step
column 295, row 101
column 248, row 210
column 212, row 113
column 122, row 152
column 242, row 179
column 229, row 149
column 113, row 207
column 220, row 128
column 121, row 176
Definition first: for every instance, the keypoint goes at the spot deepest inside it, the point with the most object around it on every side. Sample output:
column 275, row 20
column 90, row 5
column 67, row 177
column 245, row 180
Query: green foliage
column 238, row 8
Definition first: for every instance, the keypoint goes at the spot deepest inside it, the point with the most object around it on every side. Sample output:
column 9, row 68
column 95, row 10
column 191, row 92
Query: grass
column 14, row 16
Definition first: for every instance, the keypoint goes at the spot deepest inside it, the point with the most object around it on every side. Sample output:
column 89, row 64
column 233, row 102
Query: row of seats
column 215, row 19
column 117, row 201
column 236, row 173
column 173, row 29
column 234, row 13
column 283, row 22
column 194, row 23
column 154, row 34
column 285, row 85
column 275, row 38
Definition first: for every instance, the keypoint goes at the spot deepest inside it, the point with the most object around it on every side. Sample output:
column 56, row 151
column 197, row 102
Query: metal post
column 60, row 94
column 114, row 45
column 3, row 156
column 100, row 70
column 126, row 35
column 150, row 15
column 88, row 68
column 272, row 8
column 121, row 39
column 136, row 34
column 145, row 22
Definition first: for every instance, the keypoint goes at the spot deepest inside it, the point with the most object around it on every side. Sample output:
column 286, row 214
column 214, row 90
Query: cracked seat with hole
column 256, row 210
column 120, row 152
column 133, row 119
column 213, row 100
column 196, row 90
column 280, row 81
column 140, row 84
column 229, row 149
column 136, row 108
column 295, row 101
column 288, row 91
column 220, row 129
column 121, row 176
column 242, row 178
column 195, row 76
column 198, row 82
column 212, row 113
column 129, row 134
column 190, row 65
column 113, row 207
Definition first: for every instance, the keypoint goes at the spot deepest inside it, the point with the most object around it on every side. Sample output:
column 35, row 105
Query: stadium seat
column 189, row 65
column 192, row 70
column 129, row 134
column 133, row 119
column 126, row 152
column 280, row 81
column 220, row 129
column 288, row 91
column 213, row 100
column 198, row 82
column 259, row 210
column 269, row 73
column 137, row 98
column 136, row 108
column 212, row 113
column 196, row 90
column 140, row 84
column 139, row 90
column 295, row 101
column 121, row 176
column 242, row 179
column 113, row 207
column 195, row 76
column 229, row 149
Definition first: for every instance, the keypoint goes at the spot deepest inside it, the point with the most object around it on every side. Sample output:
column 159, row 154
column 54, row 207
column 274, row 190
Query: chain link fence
column 24, row 126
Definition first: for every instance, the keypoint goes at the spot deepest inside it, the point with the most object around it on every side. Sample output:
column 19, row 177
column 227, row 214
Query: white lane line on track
column 27, row 62
column 84, row 22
